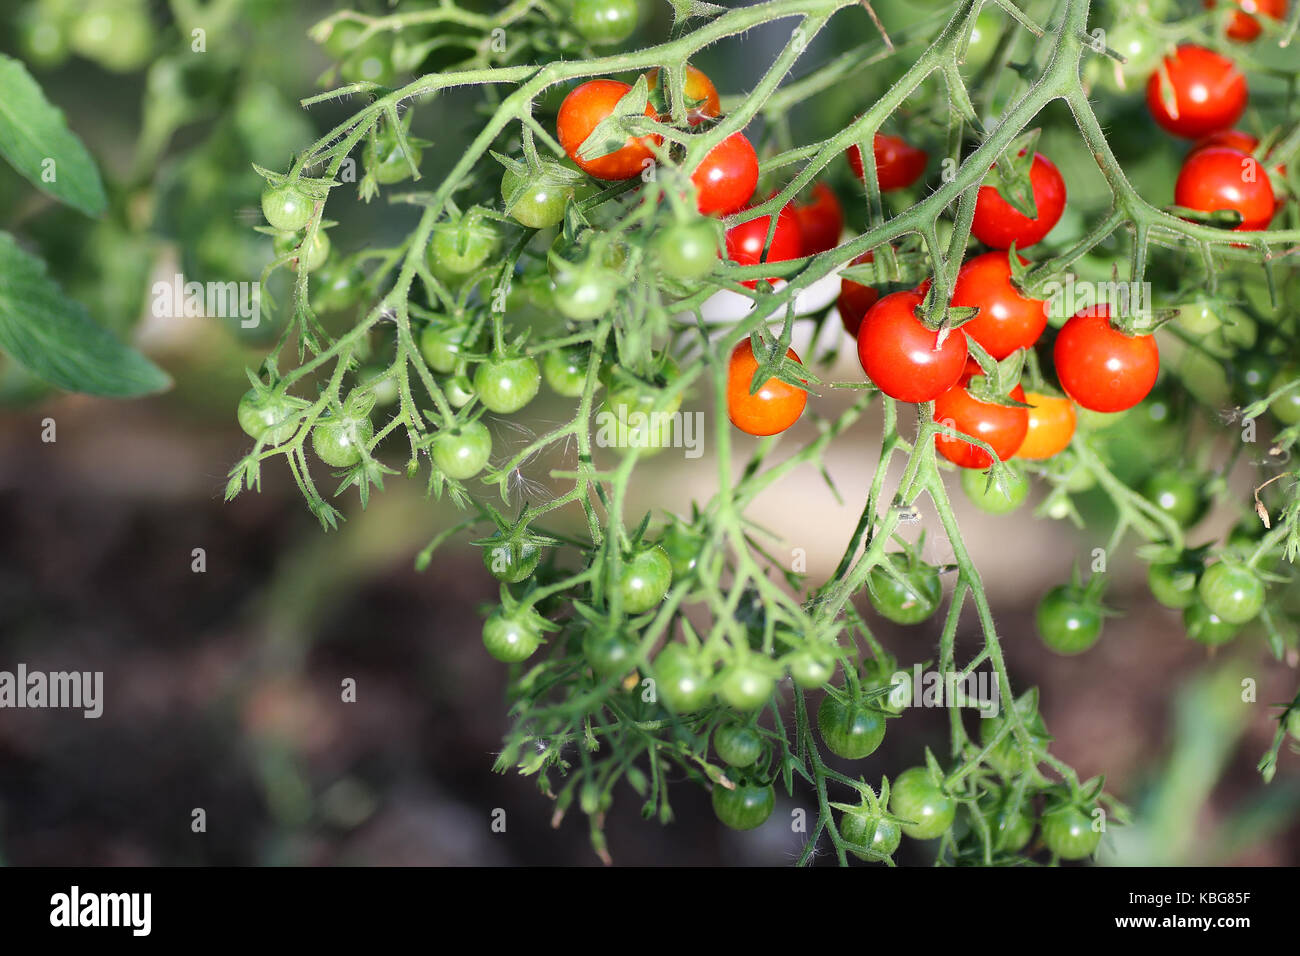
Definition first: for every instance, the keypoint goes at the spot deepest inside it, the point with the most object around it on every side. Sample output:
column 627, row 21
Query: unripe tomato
column 269, row 417
column 1176, row 494
column 441, row 346
column 885, row 835
column 738, row 745
column 821, row 220
column 1231, row 592
column 682, row 682
column 462, row 246
column 998, row 224
column 541, row 204
column 773, row 408
column 1006, row 757
column 285, row 208
column 505, row 385
column 687, row 251
column 1219, row 177
column 902, row 357
column 1006, row 320
column 898, row 163
column 745, row 242
column 909, row 601
column 644, row 580
column 855, row 298
column 512, row 638
column 585, row 292
column 1205, row 627
column 1207, row 92
column 1002, row 426
column 604, row 22
column 745, row 686
column 851, row 731
column 725, row 179
column 745, row 807
column 1100, row 367
column 1286, row 407
column 1069, row 834
column 582, row 111
column 810, row 669
column 369, row 62
column 311, row 258
column 610, row 655
column 512, row 561
column 1068, row 621
column 384, row 158
column 998, row 496
column 463, row 452
column 701, row 95
column 338, row 441
column 116, row 34
column 1011, row 831
column 565, row 370
column 682, row 545
column 1173, row 583
column 916, row 798
column 1051, row 426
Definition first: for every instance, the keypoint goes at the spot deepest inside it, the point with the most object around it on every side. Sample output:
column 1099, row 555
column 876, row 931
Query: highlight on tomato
column 1220, row 177
column 745, row 242
column 726, row 178
column 1052, row 421
column 1196, row 92
column 1007, row 320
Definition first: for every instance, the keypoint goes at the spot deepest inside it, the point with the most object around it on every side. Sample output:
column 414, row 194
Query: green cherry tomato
column 285, row 208
column 916, row 798
column 885, row 835
column 505, row 385
column 342, row 37
column 338, row 441
column 339, row 286
column 745, row 686
column 565, row 370
column 539, row 206
column 687, row 251
column 644, row 580
column 1176, row 495
column 1293, row 723
column 369, row 62
column 512, row 638
column 609, row 655
column 512, row 561
column 311, row 258
column 1068, row 623
column 603, row 22
column 737, row 744
column 384, row 158
column 745, row 807
column 463, row 452
column 462, row 246
column 851, row 731
column 682, row 545
column 909, row 601
column 681, row 680
column 1007, row 758
column 116, row 34
column 442, row 345
column 1252, row 376
column 1231, row 592
column 1173, row 583
column 585, row 293
column 810, row 669
column 1286, row 407
column 1069, row 834
column 1000, row 496
column 459, row 390
column 1205, row 627
column 1011, row 831
column 270, row 417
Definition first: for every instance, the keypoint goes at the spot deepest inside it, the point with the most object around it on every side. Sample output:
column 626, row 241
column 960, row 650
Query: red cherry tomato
column 855, row 298
column 1219, row 177
column 745, row 241
column 1209, row 93
column 1002, row 426
column 902, row 357
column 580, row 113
column 1234, row 139
column 1244, row 27
column 998, row 224
column 1051, row 426
column 726, row 177
column 1100, row 367
column 699, row 90
column 1007, row 320
column 898, row 163
column 773, row 408
column 821, row 220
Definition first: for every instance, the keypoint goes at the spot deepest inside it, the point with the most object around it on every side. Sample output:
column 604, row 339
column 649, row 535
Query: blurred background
column 222, row 687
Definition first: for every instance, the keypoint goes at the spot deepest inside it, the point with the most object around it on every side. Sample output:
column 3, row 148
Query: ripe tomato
column 998, row 224
column 1069, row 834
column 855, row 298
column 701, row 95
column 1100, row 367
column 1219, row 177
column 1007, row 320
column 1051, row 426
column 745, row 807
column 738, row 745
column 902, row 357
column 1002, row 426
column 644, row 580
column 745, row 241
column 851, row 731
column 898, row 163
column 580, row 113
column 916, row 798
column 1243, row 27
column 821, row 220
column 1208, row 93
column 773, row 408
column 725, row 179
column 1231, row 592
column 1233, row 138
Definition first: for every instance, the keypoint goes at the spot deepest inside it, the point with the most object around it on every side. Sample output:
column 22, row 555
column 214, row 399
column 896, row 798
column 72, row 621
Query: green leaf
column 35, row 139
column 54, row 337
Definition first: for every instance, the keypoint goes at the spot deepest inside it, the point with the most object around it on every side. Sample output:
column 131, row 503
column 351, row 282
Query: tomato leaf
column 54, row 337
column 35, row 139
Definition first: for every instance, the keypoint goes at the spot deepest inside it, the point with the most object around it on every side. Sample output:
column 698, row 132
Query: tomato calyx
column 1010, row 175
column 995, row 381
column 527, row 178
column 774, row 361
column 628, row 120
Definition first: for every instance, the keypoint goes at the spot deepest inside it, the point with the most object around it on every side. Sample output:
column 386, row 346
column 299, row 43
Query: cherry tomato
column 1243, row 27
column 687, row 251
column 1232, row 138
column 505, row 385
column 463, row 452
column 462, row 246
column 885, row 834
column 701, row 95
column 341, row 284
column 855, row 298
column 898, row 163
column 585, row 292
column 1293, row 723
column 1286, row 407
column 1006, row 320
column 745, row 686
column 916, row 798
column 1219, row 177
column 1006, row 757
column 604, row 22
column 565, row 370
column 1011, row 830
column 644, row 580
column 1002, row 426
column 639, row 423
column 1205, row 627
column 682, row 545
column 1173, row 583
column 745, row 807
column 810, row 669
column 997, row 497
column 1100, row 367
column 310, row 258
column 1051, row 426
column 441, row 346
column 725, row 179
column 738, row 745
column 1068, row 622
column 909, row 601
column 745, row 241
column 270, row 417
column 540, row 206
column 338, row 441
column 681, row 680
column 821, row 220
column 1069, row 834
column 1176, row 494
column 512, row 638
column 851, row 731
column 285, row 208
column 609, row 655
column 369, row 62
column 384, row 158
column 1208, row 92
column 902, row 357
column 998, row 224
column 1231, row 592
column 773, row 408
column 512, row 561
column 581, row 112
